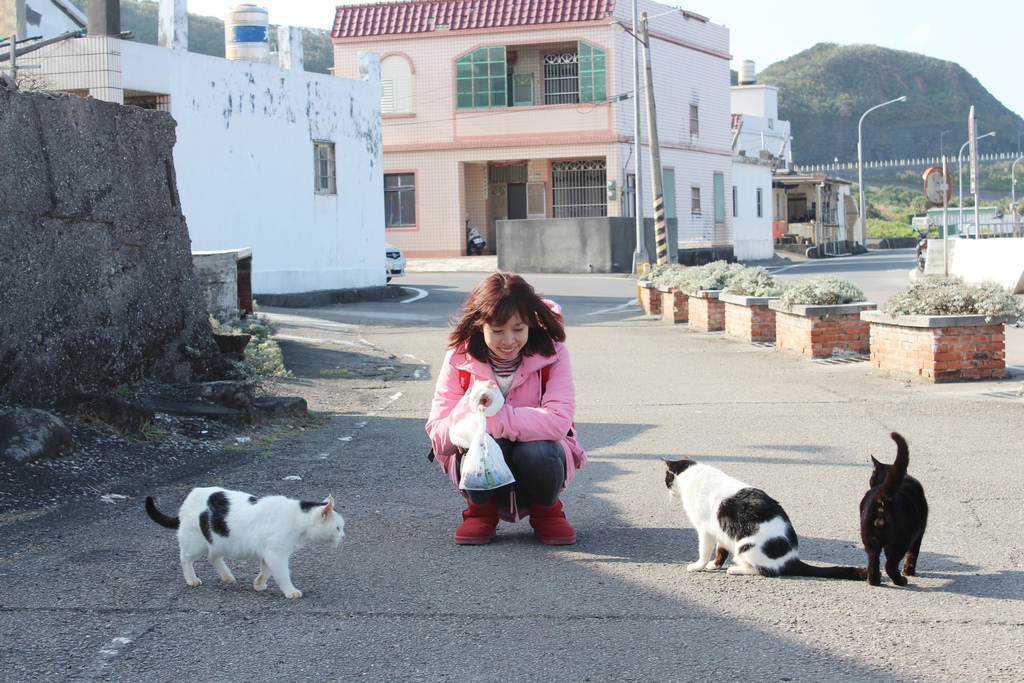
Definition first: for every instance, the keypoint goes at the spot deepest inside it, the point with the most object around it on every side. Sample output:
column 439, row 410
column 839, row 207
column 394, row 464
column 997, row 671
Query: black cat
column 893, row 515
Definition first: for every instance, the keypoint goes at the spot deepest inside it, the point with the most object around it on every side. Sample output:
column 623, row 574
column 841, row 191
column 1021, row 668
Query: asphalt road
column 93, row 591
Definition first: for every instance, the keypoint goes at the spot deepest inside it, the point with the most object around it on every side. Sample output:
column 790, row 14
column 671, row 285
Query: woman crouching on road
column 510, row 336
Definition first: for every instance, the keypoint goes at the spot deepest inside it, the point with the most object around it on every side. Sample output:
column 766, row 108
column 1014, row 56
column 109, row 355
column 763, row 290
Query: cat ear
column 328, row 506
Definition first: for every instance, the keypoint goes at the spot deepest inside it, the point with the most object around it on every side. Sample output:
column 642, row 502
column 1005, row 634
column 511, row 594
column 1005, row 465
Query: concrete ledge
column 897, row 242
column 743, row 300
column 818, row 311
column 329, row 297
column 933, row 320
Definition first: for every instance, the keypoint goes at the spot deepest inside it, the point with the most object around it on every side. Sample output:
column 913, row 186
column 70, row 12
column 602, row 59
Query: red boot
column 549, row 524
column 478, row 523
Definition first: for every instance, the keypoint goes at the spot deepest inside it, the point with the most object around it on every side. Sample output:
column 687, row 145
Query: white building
column 508, row 110
column 278, row 160
column 760, row 145
column 810, row 213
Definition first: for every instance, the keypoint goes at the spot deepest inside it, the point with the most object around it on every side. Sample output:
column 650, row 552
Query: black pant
column 539, row 469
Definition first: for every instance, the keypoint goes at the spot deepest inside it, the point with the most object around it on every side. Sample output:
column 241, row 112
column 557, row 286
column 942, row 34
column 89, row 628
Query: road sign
column 938, row 187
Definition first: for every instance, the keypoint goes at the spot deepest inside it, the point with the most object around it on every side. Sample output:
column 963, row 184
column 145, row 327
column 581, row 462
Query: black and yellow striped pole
column 660, row 230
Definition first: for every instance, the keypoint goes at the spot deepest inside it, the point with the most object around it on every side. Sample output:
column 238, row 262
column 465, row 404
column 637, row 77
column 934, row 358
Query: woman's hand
column 487, row 398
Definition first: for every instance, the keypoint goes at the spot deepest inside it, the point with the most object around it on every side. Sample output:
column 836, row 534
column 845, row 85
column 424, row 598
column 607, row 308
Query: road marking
column 773, row 271
column 420, row 293
column 291, row 337
column 617, row 309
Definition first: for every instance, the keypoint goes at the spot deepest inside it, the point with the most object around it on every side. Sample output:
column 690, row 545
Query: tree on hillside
column 824, row 90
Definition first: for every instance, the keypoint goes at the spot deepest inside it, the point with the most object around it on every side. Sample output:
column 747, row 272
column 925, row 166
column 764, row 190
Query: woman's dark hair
column 497, row 299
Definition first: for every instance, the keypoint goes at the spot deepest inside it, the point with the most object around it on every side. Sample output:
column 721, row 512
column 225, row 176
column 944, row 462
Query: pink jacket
column 526, row 415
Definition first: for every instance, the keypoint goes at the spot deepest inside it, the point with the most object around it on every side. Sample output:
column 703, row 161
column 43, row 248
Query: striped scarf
column 504, row 370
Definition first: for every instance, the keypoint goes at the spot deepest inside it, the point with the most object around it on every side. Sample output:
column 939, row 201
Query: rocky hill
column 824, row 90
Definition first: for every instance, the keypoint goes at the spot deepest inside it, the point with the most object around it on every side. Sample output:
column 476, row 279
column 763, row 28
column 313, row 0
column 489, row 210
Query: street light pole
column 1013, row 192
column 960, row 181
column 660, row 231
column 860, row 168
column 640, row 254
column 942, row 150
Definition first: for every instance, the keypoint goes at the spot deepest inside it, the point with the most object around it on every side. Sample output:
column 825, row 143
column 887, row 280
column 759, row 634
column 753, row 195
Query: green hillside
column 206, row 34
column 824, row 90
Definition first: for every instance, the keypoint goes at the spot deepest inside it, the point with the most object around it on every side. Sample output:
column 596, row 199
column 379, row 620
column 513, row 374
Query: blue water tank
column 245, row 34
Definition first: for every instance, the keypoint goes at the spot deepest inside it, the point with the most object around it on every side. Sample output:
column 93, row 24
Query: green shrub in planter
column 952, row 296
column 693, row 279
column 711, row 276
column 660, row 275
column 754, row 282
column 826, row 290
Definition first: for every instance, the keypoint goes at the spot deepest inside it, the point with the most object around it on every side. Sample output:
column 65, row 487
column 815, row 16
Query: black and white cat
column 893, row 517
column 225, row 524
column 743, row 521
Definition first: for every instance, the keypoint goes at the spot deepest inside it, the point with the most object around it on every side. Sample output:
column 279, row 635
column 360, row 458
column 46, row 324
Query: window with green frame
column 593, row 73
column 480, row 78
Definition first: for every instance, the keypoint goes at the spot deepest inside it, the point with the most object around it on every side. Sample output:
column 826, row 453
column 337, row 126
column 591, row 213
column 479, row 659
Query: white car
column 394, row 262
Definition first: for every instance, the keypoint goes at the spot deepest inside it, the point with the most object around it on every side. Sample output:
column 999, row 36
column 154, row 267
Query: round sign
column 933, row 186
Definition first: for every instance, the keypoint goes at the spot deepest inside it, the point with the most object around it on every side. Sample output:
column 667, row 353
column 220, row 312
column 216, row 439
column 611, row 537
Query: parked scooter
column 475, row 242
column 922, row 247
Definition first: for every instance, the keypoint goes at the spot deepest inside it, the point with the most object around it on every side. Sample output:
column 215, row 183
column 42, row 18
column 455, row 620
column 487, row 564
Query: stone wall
column 97, row 289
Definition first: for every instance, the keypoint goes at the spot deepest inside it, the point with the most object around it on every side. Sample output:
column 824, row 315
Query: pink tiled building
column 508, row 109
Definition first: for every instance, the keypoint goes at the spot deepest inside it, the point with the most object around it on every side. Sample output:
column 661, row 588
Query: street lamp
column 960, row 179
column 1013, row 192
column 860, row 168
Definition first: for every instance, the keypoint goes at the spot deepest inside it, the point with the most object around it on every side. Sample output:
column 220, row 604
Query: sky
column 981, row 36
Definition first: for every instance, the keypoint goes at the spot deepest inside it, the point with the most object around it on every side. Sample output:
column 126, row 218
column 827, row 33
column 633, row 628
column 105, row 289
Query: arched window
column 396, row 77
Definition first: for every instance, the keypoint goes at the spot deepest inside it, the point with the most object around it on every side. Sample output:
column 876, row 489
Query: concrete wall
column 245, row 160
column 43, row 18
column 999, row 260
column 583, row 245
column 96, row 278
column 245, row 166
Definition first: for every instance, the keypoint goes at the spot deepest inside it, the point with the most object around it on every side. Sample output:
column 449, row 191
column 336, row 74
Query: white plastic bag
column 483, row 466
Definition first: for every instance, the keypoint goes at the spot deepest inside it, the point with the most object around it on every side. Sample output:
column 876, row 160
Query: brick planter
column 675, row 306
column 650, row 298
column 951, row 348
column 748, row 317
column 823, row 331
column 707, row 312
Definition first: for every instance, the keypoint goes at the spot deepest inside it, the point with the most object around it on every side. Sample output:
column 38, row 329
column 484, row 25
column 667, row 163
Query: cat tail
column 898, row 471
column 801, row 568
column 159, row 517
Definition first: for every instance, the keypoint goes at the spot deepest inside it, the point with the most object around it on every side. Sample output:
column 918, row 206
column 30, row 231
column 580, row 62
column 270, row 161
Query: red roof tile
column 391, row 18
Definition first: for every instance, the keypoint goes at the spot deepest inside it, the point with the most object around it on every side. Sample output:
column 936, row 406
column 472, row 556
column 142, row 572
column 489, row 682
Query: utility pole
column 640, row 253
column 660, row 230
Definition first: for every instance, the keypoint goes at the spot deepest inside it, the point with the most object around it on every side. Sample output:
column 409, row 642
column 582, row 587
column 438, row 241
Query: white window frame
column 324, row 173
